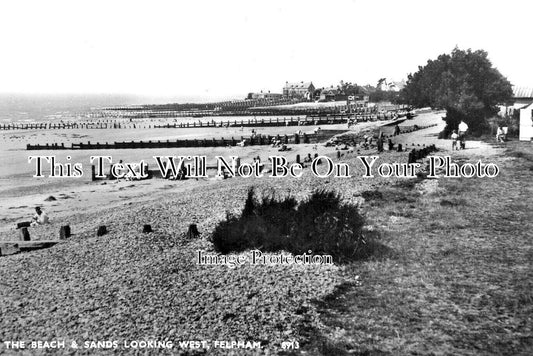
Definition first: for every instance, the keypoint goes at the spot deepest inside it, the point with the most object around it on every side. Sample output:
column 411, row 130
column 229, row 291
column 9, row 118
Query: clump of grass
column 520, row 154
column 322, row 224
column 453, row 202
column 372, row 195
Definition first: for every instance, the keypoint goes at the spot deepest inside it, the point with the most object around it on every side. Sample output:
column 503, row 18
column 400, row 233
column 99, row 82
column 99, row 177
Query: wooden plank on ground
column 26, row 245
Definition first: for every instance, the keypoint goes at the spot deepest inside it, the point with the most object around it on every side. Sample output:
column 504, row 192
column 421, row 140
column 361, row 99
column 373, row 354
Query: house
column 522, row 96
column 302, row 90
column 526, row 123
column 329, row 94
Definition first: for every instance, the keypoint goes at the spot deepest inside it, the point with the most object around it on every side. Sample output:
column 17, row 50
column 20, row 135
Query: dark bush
column 321, row 224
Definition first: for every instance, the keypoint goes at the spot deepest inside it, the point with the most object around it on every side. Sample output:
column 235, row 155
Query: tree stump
column 24, row 234
column 102, row 230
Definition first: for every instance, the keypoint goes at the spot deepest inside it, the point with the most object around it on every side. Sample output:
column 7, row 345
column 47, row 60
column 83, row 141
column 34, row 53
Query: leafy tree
column 464, row 83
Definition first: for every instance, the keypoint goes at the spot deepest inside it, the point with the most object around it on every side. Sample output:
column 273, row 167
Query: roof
column 330, row 90
column 300, row 85
column 527, row 106
column 522, row 92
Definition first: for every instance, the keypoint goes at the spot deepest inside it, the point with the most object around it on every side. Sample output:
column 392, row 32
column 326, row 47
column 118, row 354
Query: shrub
column 321, row 224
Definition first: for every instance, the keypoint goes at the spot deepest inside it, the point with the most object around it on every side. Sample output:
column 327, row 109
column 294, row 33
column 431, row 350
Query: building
column 522, row 96
column 268, row 96
column 301, row 90
column 329, row 94
column 526, row 123
column 339, row 94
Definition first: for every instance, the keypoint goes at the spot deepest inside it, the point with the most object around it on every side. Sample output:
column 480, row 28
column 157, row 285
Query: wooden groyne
column 248, row 141
column 280, row 122
column 252, row 122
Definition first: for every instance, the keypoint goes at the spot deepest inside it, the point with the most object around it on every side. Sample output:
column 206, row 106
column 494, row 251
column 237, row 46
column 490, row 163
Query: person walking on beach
column 463, row 127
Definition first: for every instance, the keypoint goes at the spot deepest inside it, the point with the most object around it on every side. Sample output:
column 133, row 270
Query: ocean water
column 39, row 107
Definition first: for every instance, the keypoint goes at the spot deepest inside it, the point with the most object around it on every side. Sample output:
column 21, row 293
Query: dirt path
column 429, row 136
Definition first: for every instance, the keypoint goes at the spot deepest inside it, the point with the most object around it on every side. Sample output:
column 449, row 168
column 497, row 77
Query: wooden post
column 64, row 232
column 147, row 229
column 193, row 231
column 102, row 230
column 24, row 234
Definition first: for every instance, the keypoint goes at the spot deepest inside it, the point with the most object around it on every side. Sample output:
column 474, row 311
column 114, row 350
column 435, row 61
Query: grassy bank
column 458, row 278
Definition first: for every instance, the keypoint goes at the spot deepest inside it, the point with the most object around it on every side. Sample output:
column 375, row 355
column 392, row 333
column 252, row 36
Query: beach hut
column 526, row 123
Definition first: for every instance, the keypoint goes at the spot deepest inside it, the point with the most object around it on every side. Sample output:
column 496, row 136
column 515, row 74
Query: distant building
column 359, row 99
column 268, row 96
column 526, row 123
column 301, row 90
column 329, row 94
column 338, row 94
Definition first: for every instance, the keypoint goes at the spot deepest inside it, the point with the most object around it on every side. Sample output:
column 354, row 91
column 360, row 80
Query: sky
column 217, row 49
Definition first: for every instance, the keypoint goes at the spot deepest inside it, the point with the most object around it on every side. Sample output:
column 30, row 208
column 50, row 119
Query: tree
column 464, row 83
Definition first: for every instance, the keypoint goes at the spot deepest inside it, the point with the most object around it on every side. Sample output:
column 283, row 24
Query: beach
column 127, row 285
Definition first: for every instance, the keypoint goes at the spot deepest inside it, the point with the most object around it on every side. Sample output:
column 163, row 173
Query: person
column 455, row 136
column 380, row 144
column 505, row 129
column 463, row 127
column 40, row 217
column 397, row 130
column 499, row 134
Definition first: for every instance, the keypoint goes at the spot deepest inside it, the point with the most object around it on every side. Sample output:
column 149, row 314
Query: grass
column 460, row 280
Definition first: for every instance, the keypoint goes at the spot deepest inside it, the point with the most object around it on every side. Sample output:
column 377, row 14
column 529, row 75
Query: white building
column 526, row 123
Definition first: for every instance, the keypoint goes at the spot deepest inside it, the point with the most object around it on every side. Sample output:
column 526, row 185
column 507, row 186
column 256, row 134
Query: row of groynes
column 255, row 122
column 210, row 142
column 249, row 141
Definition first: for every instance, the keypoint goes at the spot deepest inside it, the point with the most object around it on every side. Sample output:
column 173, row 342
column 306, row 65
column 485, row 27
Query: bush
column 321, row 224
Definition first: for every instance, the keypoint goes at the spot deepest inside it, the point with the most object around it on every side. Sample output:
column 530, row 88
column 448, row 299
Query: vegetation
column 459, row 280
column 464, row 83
column 321, row 224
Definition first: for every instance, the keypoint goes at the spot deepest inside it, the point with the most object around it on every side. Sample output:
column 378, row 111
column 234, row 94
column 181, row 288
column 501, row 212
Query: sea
column 44, row 107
